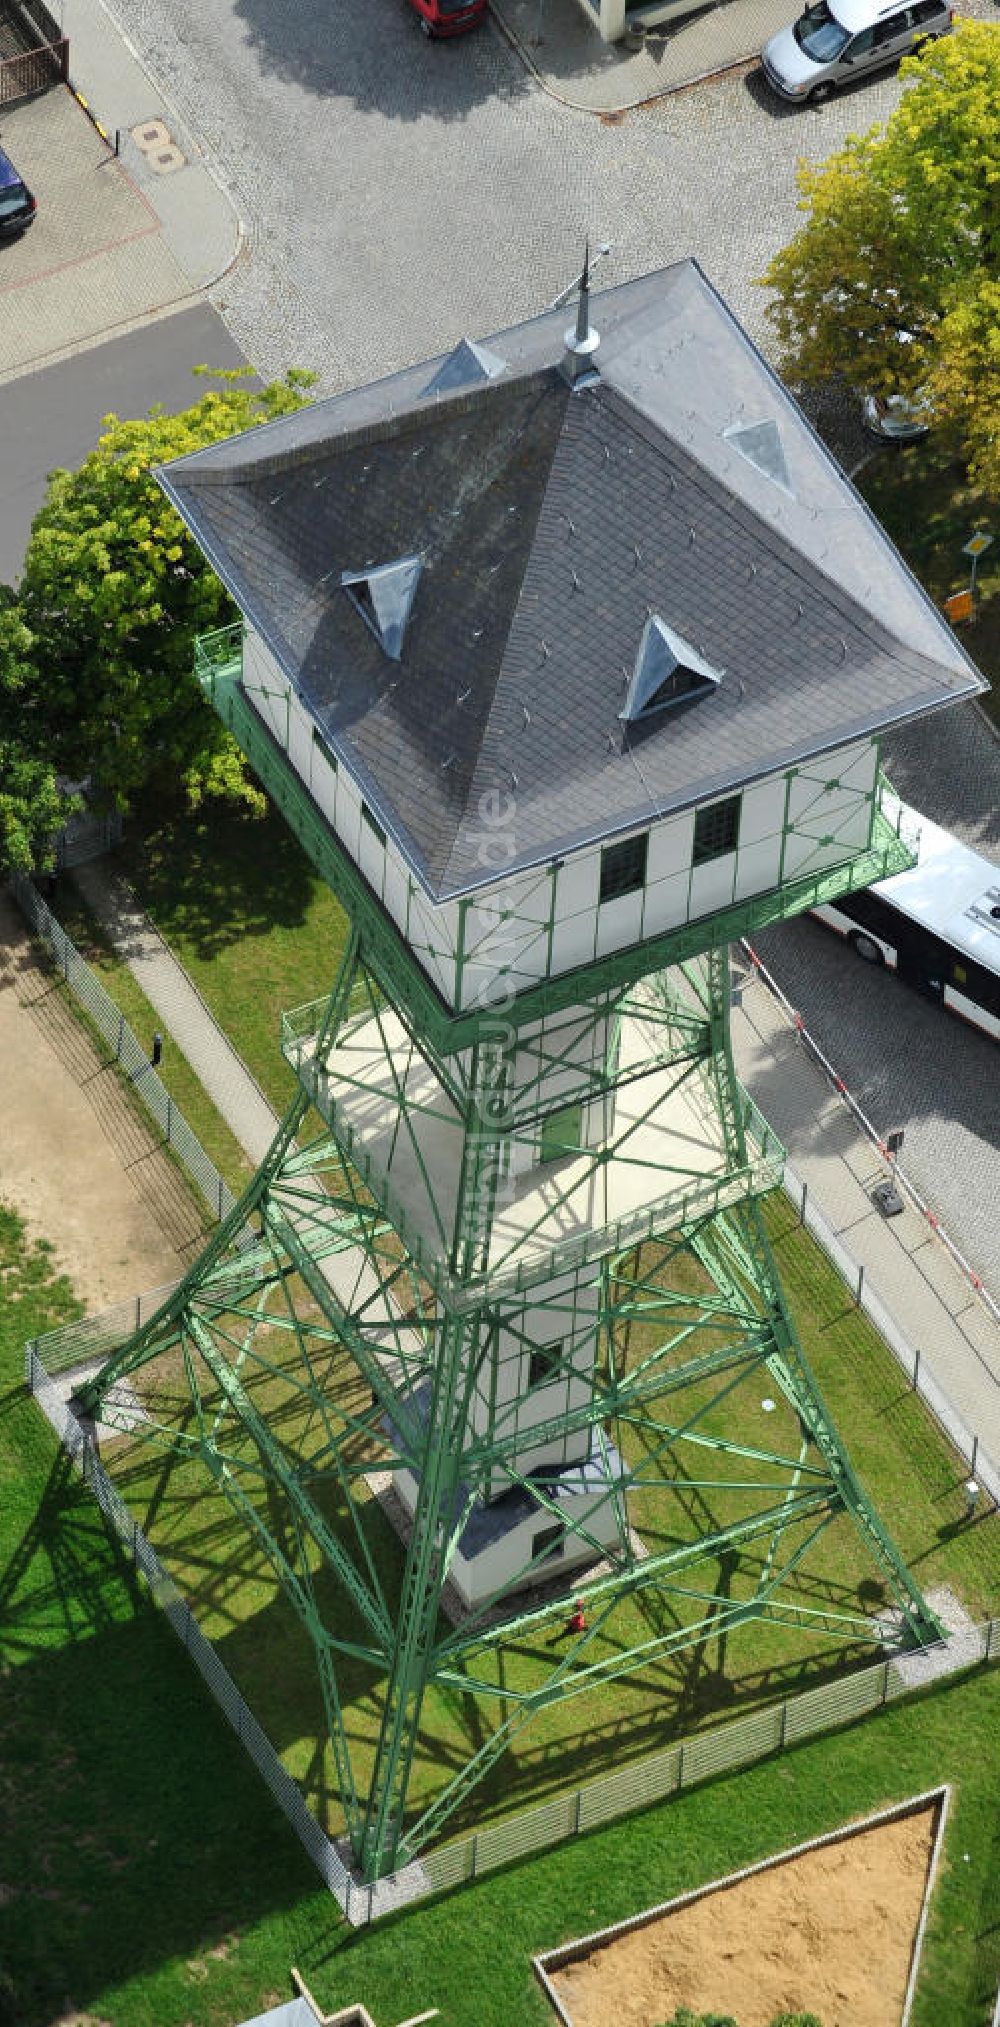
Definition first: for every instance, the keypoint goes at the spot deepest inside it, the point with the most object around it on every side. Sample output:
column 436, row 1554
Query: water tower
column 566, row 657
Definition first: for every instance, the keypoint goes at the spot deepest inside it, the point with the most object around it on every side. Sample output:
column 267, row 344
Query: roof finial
column 582, row 341
column 583, row 300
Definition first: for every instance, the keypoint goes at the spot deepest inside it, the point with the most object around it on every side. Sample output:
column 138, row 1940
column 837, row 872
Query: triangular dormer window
column 467, row 366
column 760, row 444
column 384, row 597
column 668, row 670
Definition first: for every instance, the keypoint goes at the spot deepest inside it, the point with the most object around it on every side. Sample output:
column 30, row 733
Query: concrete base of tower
column 515, row 1542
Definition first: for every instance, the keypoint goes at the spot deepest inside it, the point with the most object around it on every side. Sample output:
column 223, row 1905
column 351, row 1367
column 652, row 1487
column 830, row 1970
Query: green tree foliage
column 893, row 278
column 32, row 806
column 113, row 594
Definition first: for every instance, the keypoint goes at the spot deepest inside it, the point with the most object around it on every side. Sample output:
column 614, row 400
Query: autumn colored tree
column 893, row 277
column 113, row 595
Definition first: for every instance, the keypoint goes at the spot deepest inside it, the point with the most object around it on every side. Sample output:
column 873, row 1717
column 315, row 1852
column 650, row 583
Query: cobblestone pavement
column 399, row 194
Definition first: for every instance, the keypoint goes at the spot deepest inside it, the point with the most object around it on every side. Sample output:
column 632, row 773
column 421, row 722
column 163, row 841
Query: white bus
column 938, row 925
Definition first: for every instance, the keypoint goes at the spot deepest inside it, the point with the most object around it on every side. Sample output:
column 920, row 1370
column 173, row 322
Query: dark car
column 17, row 205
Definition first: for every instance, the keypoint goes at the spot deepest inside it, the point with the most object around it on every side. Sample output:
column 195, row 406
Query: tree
column 113, row 595
column 33, row 807
column 892, row 278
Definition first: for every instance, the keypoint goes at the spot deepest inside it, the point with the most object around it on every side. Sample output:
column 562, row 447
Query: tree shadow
column 375, row 56
column 218, row 879
column 125, row 1793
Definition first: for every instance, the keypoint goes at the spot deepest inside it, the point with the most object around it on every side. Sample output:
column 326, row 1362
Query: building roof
column 550, row 524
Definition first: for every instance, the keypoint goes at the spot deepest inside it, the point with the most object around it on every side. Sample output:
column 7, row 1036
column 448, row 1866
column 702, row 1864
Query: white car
column 838, row 40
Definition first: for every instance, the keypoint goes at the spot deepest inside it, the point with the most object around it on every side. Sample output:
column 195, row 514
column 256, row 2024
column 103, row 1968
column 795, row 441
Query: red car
column 448, row 17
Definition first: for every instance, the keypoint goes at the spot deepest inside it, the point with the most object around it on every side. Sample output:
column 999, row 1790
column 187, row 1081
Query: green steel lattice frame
column 356, row 1335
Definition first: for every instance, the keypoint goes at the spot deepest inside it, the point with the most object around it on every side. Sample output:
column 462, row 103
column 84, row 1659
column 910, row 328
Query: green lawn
column 913, row 1478
column 925, row 503
column 149, row 1881
column 212, row 888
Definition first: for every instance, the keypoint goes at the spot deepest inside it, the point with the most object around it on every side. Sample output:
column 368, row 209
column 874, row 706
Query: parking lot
column 94, row 262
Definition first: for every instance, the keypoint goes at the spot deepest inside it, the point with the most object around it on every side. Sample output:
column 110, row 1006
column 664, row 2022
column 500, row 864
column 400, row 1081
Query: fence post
column 916, row 1368
column 861, row 1283
column 802, row 1206
column 885, row 1681
column 975, row 1455
column 121, row 1036
column 576, row 1812
column 220, row 1189
column 784, row 1726
column 169, row 1117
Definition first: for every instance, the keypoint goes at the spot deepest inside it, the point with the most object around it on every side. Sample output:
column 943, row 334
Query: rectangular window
column 561, row 1133
column 548, row 1541
column 326, row 750
column 373, row 823
column 716, row 830
column 623, row 867
column 543, row 1364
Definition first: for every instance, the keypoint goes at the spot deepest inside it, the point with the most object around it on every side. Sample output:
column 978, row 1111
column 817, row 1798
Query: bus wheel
column 868, row 949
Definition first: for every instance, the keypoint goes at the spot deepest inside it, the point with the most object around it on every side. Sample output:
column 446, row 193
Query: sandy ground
column 82, row 1168
column 832, row 1931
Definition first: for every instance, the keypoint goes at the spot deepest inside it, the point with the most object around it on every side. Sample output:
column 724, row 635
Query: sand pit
column 832, row 1930
column 83, row 1170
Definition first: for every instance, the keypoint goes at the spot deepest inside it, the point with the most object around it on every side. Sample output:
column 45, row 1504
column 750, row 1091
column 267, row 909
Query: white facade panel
column 348, row 813
column 574, row 942
column 619, row 922
column 762, row 812
column 666, row 904
column 712, row 885
column 757, row 867
column 323, row 779
column 670, row 847
column 577, row 884
column 371, row 857
column 396, row 883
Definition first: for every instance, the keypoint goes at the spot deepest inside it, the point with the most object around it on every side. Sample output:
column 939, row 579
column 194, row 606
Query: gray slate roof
column 550, row 524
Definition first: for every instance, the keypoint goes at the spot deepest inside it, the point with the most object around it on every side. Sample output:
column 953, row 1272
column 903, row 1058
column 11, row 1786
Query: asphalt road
column 54, row 417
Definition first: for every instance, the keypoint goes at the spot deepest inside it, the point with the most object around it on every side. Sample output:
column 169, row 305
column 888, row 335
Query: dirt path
column 831, row 1932
column 79, row 1164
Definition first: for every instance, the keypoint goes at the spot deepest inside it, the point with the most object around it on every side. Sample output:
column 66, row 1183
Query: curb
column 207, row 161
column 631, row 105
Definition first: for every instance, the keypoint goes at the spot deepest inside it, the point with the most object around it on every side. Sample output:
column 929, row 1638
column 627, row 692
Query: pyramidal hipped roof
column 482, row 580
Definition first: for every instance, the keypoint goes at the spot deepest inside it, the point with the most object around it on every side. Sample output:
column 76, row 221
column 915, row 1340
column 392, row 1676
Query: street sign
column 977, row 544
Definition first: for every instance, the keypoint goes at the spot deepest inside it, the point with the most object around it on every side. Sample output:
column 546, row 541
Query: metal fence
column 127, row 1051
column 79, row 1447
column 33, row 70
column 738, row 1744
column 86, row 837
column 627, row 1789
